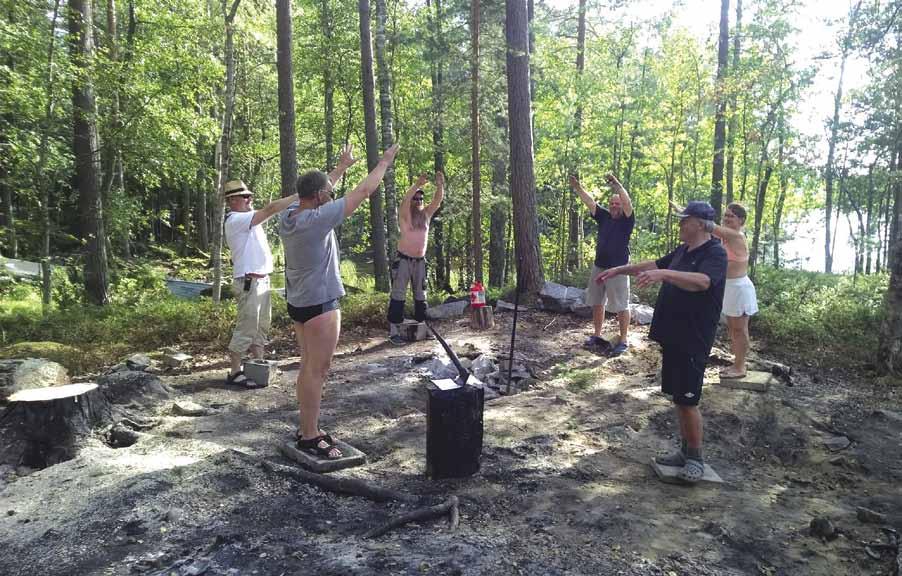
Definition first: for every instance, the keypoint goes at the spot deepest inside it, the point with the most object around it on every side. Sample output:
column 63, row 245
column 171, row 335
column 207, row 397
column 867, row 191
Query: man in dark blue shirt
column 612, row 248
column 686, row 314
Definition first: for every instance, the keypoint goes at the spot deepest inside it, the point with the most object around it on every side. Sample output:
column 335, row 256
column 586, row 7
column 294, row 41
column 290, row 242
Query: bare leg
column 739, row 344
column 624, row 319
column 598, row 318
column 319, row 337
column 691, row 427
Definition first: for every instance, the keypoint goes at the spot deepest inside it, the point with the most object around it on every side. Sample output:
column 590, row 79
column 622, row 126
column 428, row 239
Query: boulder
column 559, row 298
column 448, row 310
column 74, row 359
column 502, row 305
column 641, row 314
column 581, row 309
column 188, row 408
column 132, row 386
column 24, row 374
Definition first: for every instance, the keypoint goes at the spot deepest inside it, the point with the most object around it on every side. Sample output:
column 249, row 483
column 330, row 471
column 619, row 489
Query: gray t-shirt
column 312, row 275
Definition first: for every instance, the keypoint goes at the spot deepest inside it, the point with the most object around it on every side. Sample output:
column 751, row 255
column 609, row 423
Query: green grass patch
column 578, row 380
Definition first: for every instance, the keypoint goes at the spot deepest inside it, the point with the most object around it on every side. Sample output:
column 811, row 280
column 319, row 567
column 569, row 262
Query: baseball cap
column 699, row 209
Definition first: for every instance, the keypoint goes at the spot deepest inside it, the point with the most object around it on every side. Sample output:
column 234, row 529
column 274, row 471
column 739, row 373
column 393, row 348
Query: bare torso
column 737, row 252
column 413, row 241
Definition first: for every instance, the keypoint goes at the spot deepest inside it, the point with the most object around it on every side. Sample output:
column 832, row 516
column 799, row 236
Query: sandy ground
column 565, row 485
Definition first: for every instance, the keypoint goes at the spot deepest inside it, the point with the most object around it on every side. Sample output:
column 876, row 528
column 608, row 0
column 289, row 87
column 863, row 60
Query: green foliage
column 829, row 317
column 76, row 360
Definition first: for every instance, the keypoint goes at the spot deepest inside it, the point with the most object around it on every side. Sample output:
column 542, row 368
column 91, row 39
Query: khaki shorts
column 614, row 294
column 253, row 318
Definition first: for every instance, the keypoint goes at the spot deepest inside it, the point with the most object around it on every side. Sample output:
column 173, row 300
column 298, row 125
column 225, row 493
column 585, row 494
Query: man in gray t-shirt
column 313, row 284
column 312, row 274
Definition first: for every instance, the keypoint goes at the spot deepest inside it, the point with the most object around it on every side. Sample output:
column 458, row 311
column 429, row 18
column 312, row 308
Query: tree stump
column 53, row 419
column 482, row 318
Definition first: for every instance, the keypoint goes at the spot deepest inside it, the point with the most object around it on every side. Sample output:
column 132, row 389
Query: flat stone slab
column 753, row 380
column 350, row 457
column 670, row 474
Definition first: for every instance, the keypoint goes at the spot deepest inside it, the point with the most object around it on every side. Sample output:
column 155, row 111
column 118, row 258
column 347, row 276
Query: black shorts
column 306, row 313
column 682, row 375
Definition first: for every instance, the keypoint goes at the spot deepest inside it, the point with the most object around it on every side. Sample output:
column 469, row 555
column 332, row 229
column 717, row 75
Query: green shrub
column 826, row 316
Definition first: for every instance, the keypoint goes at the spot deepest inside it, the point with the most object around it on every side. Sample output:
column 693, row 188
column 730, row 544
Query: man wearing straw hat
column 251, row 267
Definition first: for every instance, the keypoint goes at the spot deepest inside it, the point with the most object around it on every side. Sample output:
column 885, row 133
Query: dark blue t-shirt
column 612, row 247
column 684, row 320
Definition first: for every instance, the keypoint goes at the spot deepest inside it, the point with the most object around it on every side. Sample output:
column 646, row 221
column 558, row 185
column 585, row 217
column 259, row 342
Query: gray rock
column 449, row 310
column 822, row 528
column 439, row 369
column 176, row 359
column 482, row 366
column 641, row 314
column 466, row 363
column 502, row 305
column 188, row 408
column 138, row 362
column 130, row 386
column 24, row 374
column 868, row 516
column 559, row 298
column 581, row 309
column 837, row 443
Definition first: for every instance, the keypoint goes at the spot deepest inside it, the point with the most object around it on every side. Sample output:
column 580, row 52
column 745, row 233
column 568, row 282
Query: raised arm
column 273, row 208
column 626, row 269
column 625, row 202
column 584, row 196
column 404, row 213
column 438, row 196
column 369, row 184
column 345, row 161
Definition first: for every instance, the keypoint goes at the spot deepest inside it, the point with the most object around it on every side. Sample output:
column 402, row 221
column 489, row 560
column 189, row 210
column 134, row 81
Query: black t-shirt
column 686, row 320
column 612, row 247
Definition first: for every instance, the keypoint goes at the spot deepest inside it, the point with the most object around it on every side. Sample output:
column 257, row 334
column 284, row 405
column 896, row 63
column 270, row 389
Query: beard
column 417, row 217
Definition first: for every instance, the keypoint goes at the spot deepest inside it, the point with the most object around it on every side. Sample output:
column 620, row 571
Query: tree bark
column 720, row 115
column 522, row 176
column 225, row 146
column 834, row 132
column 9, row 219
column 288, row 154
column 574, row 209
column 377, row 218
column 434, row 56
column 889, row 351
column 328, row 85
column 759, row 213
column 498, row 226
column 474, row 139
column 385, row 114
column 84, row 149
column 40, row 176
column 781, row 198
column 731, row 124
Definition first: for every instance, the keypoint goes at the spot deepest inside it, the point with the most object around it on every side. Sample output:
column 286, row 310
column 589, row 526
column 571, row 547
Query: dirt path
column 565, row 486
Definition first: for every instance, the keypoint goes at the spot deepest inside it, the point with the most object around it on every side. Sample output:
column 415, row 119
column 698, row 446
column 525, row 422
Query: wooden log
column 339, row 485
column 54, row 418
column 482, row 318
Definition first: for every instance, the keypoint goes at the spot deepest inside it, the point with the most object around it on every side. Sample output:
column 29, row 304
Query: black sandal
column 312, row 446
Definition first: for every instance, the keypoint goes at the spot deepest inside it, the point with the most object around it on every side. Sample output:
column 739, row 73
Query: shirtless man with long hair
column 410, row 264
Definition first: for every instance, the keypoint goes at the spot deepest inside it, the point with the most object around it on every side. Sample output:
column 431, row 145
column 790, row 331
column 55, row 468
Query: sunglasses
column 417, row 198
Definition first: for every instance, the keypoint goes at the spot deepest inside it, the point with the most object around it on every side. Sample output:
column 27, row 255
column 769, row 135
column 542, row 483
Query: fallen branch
column 449, row 506
column 340, row 485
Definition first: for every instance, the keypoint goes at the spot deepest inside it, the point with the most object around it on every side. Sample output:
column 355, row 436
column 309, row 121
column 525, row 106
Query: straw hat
column 236, row 188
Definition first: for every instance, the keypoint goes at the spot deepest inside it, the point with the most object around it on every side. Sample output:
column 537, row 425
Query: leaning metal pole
column 510, row 362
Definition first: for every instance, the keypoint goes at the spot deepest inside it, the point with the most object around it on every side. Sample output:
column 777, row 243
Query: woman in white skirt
column 739, row 299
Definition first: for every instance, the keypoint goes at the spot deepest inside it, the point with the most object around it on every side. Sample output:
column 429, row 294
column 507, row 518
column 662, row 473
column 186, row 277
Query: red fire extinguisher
column 477, row 295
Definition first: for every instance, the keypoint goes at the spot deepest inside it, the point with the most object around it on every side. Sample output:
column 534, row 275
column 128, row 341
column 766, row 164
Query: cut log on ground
column 340, row 485
column 482, row 318
column 54, row 418
column 449, row 506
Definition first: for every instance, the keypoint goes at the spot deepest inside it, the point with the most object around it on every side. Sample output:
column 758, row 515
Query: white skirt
column 739, row 298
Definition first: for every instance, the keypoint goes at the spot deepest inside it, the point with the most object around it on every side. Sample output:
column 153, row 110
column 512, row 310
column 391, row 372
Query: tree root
column 449, row 506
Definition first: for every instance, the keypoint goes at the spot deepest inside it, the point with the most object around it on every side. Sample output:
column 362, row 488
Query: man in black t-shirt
column 612, row 248
column 686, row 314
